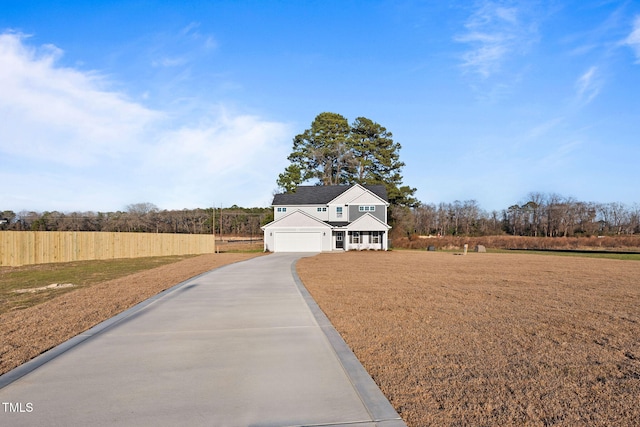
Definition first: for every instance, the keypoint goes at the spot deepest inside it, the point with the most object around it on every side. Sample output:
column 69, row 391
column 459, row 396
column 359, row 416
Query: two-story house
column 327, row 218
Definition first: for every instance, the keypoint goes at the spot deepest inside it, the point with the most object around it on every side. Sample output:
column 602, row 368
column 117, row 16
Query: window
column 354, row 237
column 338, row 211
column 322, row 209
column 375, row 237
column 367, row 208
column 282, row 209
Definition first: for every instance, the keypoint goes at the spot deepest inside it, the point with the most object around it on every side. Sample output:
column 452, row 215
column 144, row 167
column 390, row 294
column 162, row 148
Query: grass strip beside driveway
column 24, row 287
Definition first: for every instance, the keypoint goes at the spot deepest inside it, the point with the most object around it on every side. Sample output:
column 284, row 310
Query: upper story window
column 367, row 208
column 282, row 209
column 339, row 211
column 322, row 209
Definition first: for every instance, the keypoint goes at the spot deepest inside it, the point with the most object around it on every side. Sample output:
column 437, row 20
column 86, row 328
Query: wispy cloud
column 63, row 127
column 180, row 49
column 224, row 150
column 191, row 31
column 541, row 130
column 605, row 35
column 588, row 86
column 559, row 156
column 64, row 115
column 633, row 40
column 495, row 32
column 168, row 62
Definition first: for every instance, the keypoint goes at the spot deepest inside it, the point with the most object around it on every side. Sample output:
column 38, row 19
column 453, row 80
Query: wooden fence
column 39, row 247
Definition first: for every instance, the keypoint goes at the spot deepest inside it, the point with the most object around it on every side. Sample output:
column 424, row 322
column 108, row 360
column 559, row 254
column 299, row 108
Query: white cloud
column 69, row 141
column 182, row 48
column 191, row 31
column 588, row 86
column 495, row 33
column 225, row 154
column 62, row 115
column 559, row 156
column 542, row 130
column 633, row 40
column 168, row 62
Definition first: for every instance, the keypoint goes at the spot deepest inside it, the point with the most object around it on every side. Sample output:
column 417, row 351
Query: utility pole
column 220, row 223
column 213, row 227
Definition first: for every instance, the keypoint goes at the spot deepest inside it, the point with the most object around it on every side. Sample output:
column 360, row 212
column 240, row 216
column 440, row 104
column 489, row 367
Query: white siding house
column 328, row 218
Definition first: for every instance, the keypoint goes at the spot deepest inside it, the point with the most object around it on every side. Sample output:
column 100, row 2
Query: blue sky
column 190, row 104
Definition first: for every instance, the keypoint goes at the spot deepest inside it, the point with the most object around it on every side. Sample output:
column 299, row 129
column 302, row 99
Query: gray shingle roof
column 321, row 194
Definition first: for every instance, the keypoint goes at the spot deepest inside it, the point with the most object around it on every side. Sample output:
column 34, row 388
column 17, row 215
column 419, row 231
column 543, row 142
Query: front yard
column 489, row 339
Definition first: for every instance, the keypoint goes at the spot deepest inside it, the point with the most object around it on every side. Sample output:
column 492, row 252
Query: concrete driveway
column 243, row 345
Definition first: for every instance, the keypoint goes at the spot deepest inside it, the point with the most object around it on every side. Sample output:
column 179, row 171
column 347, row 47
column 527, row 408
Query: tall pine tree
column 331, row 153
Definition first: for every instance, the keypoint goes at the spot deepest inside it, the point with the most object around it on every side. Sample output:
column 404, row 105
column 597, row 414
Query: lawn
column 23, row 287
column 492, row 338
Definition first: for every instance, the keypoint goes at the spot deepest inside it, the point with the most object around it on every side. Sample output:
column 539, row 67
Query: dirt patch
column 27, row 333
column 44, row 288
column 489, row 339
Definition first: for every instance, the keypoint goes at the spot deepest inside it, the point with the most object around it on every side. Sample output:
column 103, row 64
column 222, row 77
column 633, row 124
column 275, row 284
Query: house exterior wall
column 380, row 212
column 346, row 197
column 309, row 209
column 367, row 232
column 333, row 212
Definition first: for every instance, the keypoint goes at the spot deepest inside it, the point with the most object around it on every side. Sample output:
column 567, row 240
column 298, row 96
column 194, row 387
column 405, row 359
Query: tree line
column 539, row 215
column 145, row 218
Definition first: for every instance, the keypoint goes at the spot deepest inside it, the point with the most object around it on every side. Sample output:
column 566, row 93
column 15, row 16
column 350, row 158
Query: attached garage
column 297, row 232
column 297, row 241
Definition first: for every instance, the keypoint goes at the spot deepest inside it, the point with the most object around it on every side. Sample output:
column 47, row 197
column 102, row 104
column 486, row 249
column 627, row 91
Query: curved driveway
column 242, row 345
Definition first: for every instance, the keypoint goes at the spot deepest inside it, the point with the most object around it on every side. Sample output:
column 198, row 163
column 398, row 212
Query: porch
column 358, row 240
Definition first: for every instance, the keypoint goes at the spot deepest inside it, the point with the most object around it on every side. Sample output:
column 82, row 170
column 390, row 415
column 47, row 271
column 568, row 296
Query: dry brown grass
column 240, row 245
column 489, row 339
column 612, row 243
column 29, row 285
column 26, row 333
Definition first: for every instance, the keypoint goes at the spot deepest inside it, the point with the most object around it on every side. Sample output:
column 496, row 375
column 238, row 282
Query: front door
column 339, row 239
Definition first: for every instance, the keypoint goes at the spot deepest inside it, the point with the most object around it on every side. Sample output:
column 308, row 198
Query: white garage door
column 298, row 242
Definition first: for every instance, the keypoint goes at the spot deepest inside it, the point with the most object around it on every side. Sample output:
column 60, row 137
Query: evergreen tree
column 376, row 160
column 321, row 152
column 331, row 152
